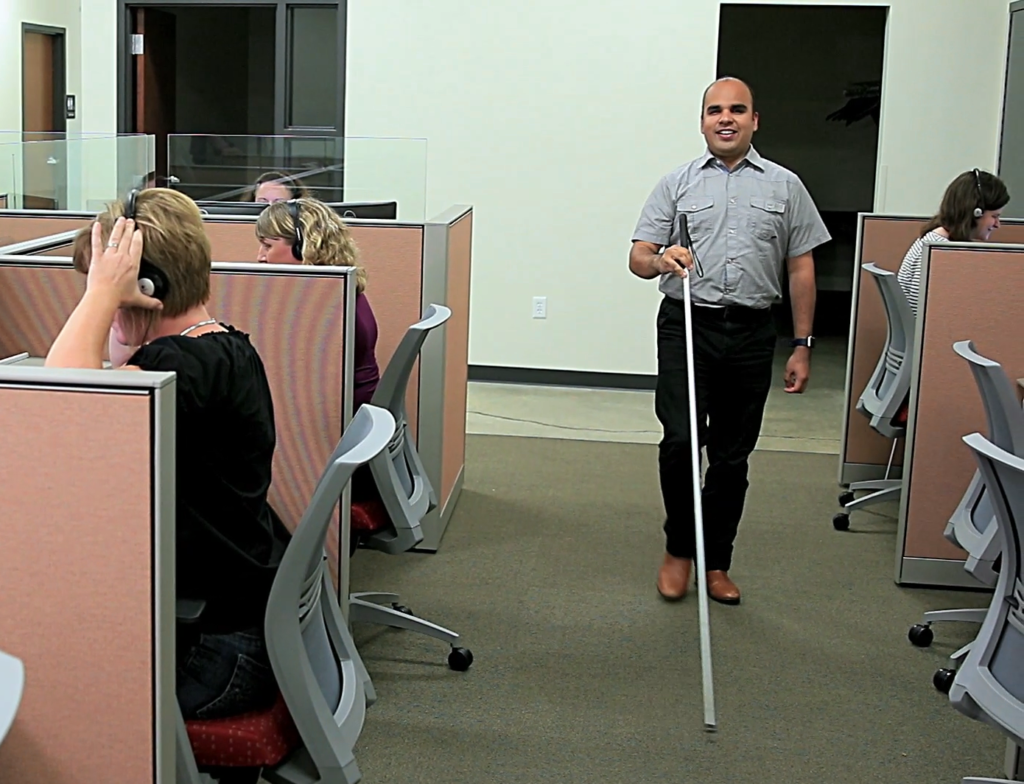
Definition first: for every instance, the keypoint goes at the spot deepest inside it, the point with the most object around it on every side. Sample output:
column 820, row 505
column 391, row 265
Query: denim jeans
column 221, row 675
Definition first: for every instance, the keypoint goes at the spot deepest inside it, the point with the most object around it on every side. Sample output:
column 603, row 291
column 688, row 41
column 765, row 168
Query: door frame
column 60, row 75
column 125, row 62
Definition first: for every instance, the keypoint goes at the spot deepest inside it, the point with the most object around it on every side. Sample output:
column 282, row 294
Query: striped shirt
column 909, row 275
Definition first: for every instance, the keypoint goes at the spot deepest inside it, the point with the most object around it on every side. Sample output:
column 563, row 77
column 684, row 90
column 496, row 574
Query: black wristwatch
column 807, row 341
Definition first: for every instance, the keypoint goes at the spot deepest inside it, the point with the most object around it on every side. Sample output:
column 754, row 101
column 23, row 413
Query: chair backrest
column 890, row 381
column 12, row 685
column 311, row 651
column 1002, row 411
column 398, row 473
column 989, row 685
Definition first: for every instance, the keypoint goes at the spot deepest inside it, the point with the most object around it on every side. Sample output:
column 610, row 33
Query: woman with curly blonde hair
column 323, row 239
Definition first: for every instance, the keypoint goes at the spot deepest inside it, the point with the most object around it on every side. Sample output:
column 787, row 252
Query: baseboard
column 561, row 378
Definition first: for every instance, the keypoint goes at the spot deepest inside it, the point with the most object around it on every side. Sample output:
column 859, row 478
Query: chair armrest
column 189, row 610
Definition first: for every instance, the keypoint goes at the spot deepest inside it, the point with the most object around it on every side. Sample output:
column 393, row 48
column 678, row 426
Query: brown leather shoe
column 722, row 589
column 674, row 578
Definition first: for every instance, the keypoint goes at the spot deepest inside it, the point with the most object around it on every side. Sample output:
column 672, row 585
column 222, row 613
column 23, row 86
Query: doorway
column 214, row 82
column 43, row 124
column 816, row 72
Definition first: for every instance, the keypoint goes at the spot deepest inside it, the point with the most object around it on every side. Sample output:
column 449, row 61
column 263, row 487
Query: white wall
column 555, row 118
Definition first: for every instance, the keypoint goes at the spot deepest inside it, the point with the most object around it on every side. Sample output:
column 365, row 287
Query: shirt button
column 732, row 231
column 732, row 201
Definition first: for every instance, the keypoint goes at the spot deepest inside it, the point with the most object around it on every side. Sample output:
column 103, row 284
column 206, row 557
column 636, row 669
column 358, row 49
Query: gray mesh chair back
column 989, row 686
column 970, row 525
column 12, row 685
column 398, row 471
column 890, row 382
column 311, row 651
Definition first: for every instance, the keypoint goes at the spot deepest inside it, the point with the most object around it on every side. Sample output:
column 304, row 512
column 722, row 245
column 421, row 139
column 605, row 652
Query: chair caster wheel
column 921, row 635
column 402, row 609
column 846, row 498
column 841, row 522
column 460, row 658
column 943, row 679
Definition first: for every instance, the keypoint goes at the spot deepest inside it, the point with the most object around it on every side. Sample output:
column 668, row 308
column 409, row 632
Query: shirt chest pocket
column 699, row 214
column 767, row 217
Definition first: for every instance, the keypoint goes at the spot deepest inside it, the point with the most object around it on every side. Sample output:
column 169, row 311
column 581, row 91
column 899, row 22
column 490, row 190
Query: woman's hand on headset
column 114, row 268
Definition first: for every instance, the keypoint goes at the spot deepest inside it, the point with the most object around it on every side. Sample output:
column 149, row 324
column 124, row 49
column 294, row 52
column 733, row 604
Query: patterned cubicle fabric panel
column 296, row 323
column 34, row 304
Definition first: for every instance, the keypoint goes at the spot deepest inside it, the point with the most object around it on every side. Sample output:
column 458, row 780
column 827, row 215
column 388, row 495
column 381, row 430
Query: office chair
column 392, row 525
column 989, row 686
column 970, row 526
column 12, row 686
column 309, row 734
column 884, row 399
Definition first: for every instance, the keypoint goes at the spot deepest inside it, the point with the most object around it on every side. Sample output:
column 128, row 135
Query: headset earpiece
column 978, row 211
column 152, row 281
column 293, row 209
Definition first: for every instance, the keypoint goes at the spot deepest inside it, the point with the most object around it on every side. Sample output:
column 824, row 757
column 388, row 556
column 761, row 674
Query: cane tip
column 711, row 728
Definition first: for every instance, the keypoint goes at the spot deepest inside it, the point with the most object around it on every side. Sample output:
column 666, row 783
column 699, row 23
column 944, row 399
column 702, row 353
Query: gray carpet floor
column 582, row 673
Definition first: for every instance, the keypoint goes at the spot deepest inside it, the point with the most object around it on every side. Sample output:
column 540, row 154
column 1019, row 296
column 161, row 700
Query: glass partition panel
column 79, row 172
column 330, row 168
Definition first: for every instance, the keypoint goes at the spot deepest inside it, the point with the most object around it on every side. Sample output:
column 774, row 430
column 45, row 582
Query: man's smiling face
column 728, row 121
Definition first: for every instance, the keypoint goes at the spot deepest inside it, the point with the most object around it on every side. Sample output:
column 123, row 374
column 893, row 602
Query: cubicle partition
column 87, row 573
column 17, row 226
column 307, row 353
column 969, row 291
column 301, row 321
column 409, row 266
column 883, row 240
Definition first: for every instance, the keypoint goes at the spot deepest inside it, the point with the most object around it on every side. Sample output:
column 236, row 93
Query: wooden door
column 155, row 78
column 44, row 154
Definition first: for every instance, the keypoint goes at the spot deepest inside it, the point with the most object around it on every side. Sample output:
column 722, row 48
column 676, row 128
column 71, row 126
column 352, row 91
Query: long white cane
column 710, row 723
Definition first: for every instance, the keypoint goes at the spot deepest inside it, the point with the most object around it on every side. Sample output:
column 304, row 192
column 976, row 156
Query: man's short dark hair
column 704, row 97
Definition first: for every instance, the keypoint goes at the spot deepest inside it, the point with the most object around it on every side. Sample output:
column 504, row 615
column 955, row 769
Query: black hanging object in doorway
column 863, row 99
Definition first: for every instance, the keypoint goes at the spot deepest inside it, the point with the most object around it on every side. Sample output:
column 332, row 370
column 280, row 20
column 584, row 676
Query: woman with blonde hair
column 147, row 262
column 307, row 231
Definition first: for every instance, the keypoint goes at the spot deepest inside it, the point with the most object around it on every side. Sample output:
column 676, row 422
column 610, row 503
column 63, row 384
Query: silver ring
column 112, row 244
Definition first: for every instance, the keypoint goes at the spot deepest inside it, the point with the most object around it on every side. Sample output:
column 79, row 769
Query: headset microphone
column 152, row 281
column 978, row 211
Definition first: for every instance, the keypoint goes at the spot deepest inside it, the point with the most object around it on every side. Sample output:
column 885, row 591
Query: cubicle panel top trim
column 57, row 262
column 453, row 214
column 48, row 242
column 81, row 378
column 290, row 270
column 83, row 215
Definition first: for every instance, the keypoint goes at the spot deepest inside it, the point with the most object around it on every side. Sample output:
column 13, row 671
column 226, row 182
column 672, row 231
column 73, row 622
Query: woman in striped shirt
column 969, row 212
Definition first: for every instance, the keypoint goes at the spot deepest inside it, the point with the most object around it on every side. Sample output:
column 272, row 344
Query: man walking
column 746, row 216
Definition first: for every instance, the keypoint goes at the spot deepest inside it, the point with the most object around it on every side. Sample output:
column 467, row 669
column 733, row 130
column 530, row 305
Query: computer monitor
column 364, row 210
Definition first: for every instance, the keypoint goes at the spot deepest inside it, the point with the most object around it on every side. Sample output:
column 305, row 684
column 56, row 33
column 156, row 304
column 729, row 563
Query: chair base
column 366, row 608
column 962, row 616
column 883, row 490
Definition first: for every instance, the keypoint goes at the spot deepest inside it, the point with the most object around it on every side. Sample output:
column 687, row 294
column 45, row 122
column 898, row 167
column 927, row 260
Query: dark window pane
column 313, row 71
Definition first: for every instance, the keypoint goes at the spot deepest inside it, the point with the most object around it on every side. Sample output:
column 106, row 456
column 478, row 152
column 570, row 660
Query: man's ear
column 756, row 118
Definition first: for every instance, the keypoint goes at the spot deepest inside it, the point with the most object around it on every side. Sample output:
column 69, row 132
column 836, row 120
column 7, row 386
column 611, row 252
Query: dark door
column 44, row 156
column 154, row 47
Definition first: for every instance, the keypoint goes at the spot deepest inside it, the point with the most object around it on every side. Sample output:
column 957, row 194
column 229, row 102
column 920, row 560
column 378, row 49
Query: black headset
column 293, row 209
column 978, row 211
column 152, row 281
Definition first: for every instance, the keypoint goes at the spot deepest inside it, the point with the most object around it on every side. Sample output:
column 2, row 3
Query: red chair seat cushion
column 250, row 740
column 369, row 517
column 902, row 414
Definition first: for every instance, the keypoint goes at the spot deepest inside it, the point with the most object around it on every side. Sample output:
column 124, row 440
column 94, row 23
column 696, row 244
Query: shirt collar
column 752, row 158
